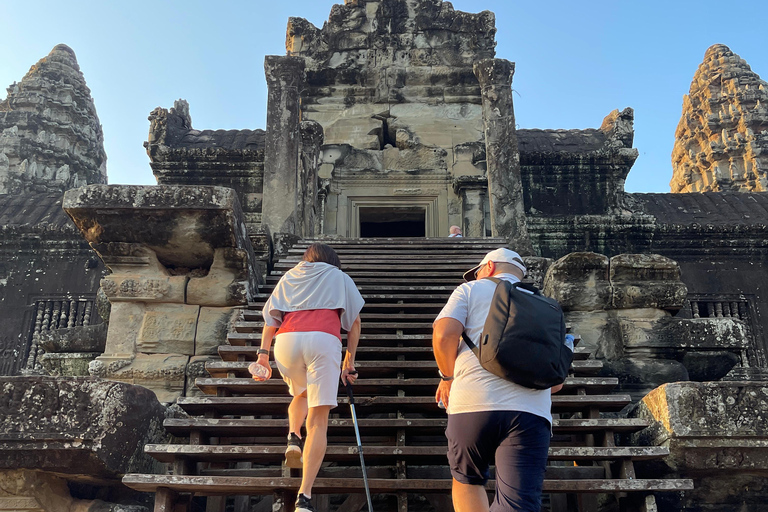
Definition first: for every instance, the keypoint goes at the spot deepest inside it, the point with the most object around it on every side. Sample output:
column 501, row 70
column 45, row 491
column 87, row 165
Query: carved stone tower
column 722, row 139
column 50, row 136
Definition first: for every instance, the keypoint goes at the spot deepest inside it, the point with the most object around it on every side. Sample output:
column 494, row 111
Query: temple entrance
column 389, row 222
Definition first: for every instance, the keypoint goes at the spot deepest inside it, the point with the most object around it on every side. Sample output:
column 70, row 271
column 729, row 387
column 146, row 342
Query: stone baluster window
column 52, row 314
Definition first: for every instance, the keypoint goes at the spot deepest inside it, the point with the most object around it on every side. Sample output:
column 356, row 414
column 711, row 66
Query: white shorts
column 310, row 361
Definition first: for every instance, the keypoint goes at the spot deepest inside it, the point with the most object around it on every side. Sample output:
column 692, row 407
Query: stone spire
column 722, row 139
column 50, row 136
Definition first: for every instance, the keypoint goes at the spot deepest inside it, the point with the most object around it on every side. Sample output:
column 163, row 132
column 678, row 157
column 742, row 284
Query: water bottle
column 258, row 371
column 569, row 341
column 440, row 405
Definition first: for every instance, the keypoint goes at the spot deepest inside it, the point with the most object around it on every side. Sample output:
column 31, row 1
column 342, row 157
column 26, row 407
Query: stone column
column 311, row 140
column 285, row 79
column 471, row 189
column 505, row 188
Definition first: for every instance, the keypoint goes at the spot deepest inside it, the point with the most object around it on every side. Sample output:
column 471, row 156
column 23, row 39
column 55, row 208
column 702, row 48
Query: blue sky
column 576, row 61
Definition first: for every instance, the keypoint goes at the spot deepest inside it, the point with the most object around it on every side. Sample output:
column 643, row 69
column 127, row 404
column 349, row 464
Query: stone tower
column 722, row 137
column 50, row 136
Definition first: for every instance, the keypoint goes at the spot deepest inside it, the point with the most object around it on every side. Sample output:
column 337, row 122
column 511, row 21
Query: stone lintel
column 469, row 183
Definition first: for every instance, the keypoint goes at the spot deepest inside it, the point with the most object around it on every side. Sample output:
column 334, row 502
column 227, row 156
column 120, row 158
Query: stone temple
column 130, row 313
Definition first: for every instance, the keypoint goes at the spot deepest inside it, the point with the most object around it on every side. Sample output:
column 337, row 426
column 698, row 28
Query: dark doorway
column 389, row 222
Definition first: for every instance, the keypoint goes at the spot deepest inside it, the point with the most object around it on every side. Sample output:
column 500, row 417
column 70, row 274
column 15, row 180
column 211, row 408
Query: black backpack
column 523, row 339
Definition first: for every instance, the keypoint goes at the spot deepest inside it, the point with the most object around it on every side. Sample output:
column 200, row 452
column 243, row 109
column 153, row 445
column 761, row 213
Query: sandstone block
column 125, row 323
column 168, row 329
column 195, row 370
column 89, row 338
column 646, row 281
column 68, row 364
column 579, row 282
column 716, row 434
column 226, row 283
column 212, row 328
column 137, row 288
column 163, row 374
column 85, row 428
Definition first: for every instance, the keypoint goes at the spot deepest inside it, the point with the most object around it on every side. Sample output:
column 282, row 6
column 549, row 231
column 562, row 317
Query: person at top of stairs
column 489, row 418
column 309, row 306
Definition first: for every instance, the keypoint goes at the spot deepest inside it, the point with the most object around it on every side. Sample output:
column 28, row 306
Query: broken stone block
column 716, row 434
column 196, row 370
column 212, row 328
column 85, row 429
column 579, row 282
column 646, row 281
column 168, row 329
column 67, row 364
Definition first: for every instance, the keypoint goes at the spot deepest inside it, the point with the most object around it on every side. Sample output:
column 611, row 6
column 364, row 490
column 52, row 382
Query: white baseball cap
column 500, row 255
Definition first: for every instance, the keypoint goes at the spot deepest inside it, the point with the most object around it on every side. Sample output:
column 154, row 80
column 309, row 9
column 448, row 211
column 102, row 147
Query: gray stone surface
column 505, row 188
column 90, row 338
column 716, row 434
column 48, row 277
column 285, row 79
column 50, row 136
column 85, row 429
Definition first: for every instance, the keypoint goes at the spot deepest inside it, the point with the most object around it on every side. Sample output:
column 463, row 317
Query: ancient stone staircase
column 237, row 430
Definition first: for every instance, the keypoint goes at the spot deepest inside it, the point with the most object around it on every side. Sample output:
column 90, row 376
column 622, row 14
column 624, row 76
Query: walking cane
column 359, row 443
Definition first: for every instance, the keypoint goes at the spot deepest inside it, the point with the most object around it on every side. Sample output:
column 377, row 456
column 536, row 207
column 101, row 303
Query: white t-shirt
column 475, row 389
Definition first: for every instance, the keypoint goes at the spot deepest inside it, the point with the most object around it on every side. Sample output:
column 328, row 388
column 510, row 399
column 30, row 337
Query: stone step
column 388, row 316
column 413, row 388
column 371, row 297
column 434, row 307
column 391, row 369
column 263, row 428
column 265, row 454
column 248, row 406
column 249, row 353
column 452, row 280
column 493, row 243
column 415, row 340
column 347, row 252
column 413, row 291
column 225, row 485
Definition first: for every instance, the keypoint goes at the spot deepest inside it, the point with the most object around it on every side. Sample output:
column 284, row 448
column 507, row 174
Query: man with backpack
column 491, row 418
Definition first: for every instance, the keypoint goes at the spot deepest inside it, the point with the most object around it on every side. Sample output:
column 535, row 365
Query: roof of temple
column 566, row 141
column 33, row 209
column 225, row 139
column 722, row 208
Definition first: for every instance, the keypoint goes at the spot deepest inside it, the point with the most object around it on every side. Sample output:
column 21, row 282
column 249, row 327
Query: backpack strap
column 463, row 333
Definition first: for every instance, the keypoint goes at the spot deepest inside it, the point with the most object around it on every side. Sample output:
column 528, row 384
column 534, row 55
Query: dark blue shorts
column 518, row 442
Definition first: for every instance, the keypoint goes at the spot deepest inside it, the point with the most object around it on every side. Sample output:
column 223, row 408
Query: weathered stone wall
column 48, row 278
column 622, row 307
column 722, row 137
column 715, row 432
column 50, row 136
column 391, row 82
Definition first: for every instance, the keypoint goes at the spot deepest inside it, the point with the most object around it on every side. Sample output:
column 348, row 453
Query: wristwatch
column 444, row 378
column 262, row 351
